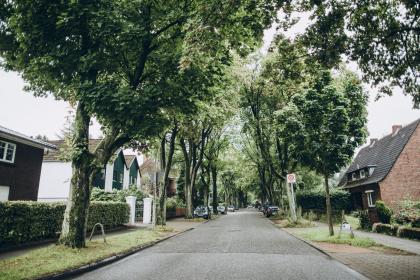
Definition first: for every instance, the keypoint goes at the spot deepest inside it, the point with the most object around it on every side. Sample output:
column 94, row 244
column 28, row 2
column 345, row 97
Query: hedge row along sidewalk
column 55, row 259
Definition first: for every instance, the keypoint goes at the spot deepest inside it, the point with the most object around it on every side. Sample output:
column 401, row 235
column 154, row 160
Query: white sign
column 291, row 178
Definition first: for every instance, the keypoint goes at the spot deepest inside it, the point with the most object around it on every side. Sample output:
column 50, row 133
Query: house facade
column 56, row 174
column 388, row 169
column 20, row 165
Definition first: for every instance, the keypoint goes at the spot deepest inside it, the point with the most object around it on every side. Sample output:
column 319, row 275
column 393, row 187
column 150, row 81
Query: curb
column 95, row 265
column 352, row 271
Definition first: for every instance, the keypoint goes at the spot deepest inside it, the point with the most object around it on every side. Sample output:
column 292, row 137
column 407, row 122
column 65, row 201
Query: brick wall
column 404, row 178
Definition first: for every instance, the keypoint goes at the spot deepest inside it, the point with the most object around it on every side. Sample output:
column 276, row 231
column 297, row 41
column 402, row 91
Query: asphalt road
column 240, row 245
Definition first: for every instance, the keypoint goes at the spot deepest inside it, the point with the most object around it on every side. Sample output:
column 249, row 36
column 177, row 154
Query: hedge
column 385, row 229
column 25, row 221
column 406, row 232
column 310, row 200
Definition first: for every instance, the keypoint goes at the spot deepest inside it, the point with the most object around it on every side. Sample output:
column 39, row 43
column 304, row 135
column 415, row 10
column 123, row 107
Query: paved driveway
column 240, row 245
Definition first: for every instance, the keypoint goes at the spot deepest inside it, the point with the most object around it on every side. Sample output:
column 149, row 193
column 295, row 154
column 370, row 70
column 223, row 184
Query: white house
column 120, row 173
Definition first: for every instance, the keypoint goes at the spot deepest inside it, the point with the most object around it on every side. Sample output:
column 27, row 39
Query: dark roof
column 55, row 155
column 17, row 136
column 382, row 155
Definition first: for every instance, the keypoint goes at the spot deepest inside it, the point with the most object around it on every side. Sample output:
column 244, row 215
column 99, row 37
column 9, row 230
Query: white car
column 231, row 208
column 221, row 209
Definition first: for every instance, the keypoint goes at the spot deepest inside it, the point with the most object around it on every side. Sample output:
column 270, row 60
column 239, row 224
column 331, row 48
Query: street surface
column 240, row 245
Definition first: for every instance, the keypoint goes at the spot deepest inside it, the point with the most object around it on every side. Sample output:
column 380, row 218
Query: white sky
column 23, row 112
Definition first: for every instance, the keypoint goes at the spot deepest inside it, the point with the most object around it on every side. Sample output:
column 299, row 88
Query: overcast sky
column 23, row 112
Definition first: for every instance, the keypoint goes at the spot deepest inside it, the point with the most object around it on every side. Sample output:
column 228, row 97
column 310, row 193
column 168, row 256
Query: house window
column 7, row 151
column 353, row 176
column 121, row 178
column 370, row 198
column 133, row 180
column 362, row 174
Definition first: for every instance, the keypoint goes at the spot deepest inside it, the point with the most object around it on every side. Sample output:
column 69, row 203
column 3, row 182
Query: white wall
column 109, row 175
column 126, row 181
column 54, row 184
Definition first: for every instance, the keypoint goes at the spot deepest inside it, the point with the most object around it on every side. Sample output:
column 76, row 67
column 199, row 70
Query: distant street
column 240, row 245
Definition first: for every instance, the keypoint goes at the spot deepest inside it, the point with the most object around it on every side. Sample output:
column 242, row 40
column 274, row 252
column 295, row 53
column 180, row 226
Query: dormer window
column 362, row 174
column 353, row 176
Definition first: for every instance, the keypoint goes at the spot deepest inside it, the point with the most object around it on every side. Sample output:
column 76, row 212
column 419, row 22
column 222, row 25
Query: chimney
column 373, row 140
column 396, row 128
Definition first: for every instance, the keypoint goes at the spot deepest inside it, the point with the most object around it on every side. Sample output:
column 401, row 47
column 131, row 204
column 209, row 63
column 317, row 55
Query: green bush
column 98, row 194
column 314, row 199
column 383, row 211
column 407, row 232
column 365, row 222
column 385, row 229
column 25, row 221
column 171, row 204
column 408, row 213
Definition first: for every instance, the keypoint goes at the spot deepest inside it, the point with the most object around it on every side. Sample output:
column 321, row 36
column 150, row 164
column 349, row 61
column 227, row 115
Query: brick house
column 20, row 165
column 387, row 169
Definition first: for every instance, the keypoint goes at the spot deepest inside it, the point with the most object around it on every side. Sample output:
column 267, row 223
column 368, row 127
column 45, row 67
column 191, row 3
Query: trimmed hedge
column 312, row 199
column 385, row 229
column 384, row 212
column 406, row 232
column 25, row 221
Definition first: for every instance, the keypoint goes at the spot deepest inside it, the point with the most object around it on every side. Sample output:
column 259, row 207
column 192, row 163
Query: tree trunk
column 214, row 182
column 166, row 165
column 73, row 231
column 328, row 205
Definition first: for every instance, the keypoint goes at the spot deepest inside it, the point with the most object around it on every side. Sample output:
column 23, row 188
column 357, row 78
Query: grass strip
column 57, row 258
column 321, row 235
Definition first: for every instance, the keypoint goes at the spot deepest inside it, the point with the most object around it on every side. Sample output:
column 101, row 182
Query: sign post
column 291, row 179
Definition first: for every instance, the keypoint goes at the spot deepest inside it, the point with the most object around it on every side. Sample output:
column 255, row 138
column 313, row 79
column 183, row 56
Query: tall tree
column 109, row 58
column 334, row 116
column 383, row 37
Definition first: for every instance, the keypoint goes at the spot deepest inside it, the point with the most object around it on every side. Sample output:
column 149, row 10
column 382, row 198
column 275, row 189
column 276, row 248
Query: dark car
column 271, row 210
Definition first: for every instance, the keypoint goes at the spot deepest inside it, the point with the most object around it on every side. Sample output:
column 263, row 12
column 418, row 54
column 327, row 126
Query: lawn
column 321, row 235
column 56, row 258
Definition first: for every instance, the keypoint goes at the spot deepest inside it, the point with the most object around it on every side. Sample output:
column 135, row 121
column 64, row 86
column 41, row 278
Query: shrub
column 365, row 222
column 383, row 211
column 408, row 212
column 313, row 199
column 385, row 229
column 406, row 232
column 171, row 204
column 25, row 221
column 98, row 194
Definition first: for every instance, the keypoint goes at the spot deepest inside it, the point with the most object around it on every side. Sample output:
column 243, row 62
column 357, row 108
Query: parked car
column 236, row 207
column 201, row 212
column 221, row 209
column 250, row 206
column 231, row 208
column 271, row 210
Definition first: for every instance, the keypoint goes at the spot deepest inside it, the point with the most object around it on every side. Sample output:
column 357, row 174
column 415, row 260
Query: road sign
column 291, row 178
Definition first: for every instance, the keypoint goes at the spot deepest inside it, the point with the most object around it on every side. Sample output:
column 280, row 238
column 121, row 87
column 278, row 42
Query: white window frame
column 369, row 198
column 5, row 152
column 353, row 176
column 362, row 174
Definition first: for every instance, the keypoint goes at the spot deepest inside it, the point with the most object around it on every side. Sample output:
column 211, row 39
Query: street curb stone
column 89, row 267
column 329, row 256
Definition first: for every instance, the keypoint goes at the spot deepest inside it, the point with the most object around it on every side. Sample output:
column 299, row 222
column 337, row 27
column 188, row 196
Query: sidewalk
column 178, row 224
column 382, row 264
column 386, row 240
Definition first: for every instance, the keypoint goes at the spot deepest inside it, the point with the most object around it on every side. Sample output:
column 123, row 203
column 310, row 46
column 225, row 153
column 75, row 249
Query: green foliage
column 171, row 204
column 365, row 222
column 385, row 229
column 321, row 235
column 383, row 211
column 98, row 194
column 407, row 232
column 407, row 213
column 382, row 36
column 315, row 200
column 25, row 221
